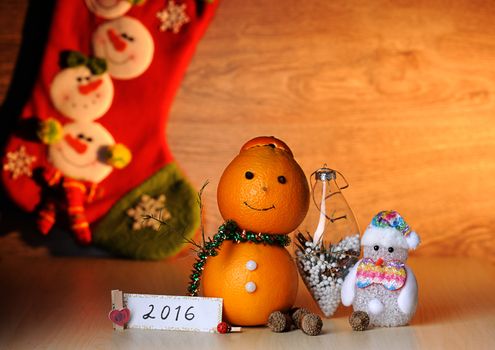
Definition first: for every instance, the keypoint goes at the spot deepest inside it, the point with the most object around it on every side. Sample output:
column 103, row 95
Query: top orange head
column 263, row 189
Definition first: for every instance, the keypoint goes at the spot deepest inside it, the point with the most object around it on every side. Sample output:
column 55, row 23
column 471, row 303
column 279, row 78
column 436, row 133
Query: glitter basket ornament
column 325, row 257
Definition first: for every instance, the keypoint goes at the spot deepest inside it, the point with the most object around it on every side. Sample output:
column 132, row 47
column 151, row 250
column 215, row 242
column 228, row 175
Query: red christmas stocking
column 108, row 77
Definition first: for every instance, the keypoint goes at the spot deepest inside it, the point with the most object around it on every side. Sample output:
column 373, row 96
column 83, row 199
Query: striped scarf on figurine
column 391, row 274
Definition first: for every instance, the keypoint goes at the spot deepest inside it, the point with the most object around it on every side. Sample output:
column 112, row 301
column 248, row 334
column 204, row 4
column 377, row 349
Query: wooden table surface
column 62, row 303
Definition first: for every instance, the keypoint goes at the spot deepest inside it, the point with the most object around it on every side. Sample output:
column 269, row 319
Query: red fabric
column 47, row 216
column 138, row 114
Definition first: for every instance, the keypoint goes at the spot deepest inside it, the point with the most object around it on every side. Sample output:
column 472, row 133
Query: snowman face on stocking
column 81, row 95
column 80, row 153
column 109, row 8
column 126, row 45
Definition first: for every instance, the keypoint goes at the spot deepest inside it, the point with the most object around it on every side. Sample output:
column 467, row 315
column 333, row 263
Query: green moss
column 114, row 232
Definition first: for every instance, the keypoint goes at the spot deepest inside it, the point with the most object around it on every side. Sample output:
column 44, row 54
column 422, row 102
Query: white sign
column 173, row 312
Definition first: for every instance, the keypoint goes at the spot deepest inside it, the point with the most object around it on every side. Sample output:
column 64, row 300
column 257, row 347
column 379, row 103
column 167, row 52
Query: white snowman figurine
column 82, row 152
column 126, row 45
column 111, row 8
column 381, row 287
column 82, row 90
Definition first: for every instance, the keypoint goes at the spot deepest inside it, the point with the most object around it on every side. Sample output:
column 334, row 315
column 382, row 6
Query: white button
column 250, row 287
column 251, row 265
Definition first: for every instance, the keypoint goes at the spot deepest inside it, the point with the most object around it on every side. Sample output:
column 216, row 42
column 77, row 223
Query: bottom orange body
column 253, row 279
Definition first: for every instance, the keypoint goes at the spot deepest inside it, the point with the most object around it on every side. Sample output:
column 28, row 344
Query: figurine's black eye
column 127, row 37
column 80, row 136
column 282, row 179
column 89, row 139
column 249, row 175
column 79, row 79
column 376, row 247
column 390, row 249
column 88, row 78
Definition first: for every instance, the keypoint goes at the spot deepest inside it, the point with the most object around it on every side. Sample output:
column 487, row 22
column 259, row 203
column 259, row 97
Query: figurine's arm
column 50, row 131
column 118, row 155
column 408, row 297
column 349, row 286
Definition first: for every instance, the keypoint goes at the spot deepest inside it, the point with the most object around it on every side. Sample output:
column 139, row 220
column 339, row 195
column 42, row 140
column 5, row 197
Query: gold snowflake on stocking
column 149, row 206
column 19, row 163
column 173, row 17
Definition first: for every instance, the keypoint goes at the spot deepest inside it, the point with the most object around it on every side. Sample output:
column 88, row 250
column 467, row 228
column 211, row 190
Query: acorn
column 279, row 322
column 359, row 320
column 292, row 310
column 297, row 316
column 311, row 324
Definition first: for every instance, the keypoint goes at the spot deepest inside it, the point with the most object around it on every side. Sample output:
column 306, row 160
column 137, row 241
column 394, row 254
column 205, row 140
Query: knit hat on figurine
column 388, row 228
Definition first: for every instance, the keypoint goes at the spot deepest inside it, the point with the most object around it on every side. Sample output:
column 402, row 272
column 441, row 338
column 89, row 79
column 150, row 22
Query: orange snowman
column 263, row 194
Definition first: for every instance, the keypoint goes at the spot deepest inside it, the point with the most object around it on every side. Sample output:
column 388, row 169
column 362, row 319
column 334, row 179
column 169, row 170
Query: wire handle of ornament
column 345, row 180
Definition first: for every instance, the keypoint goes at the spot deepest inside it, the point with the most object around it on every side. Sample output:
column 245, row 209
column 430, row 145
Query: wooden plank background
column 397, row 95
